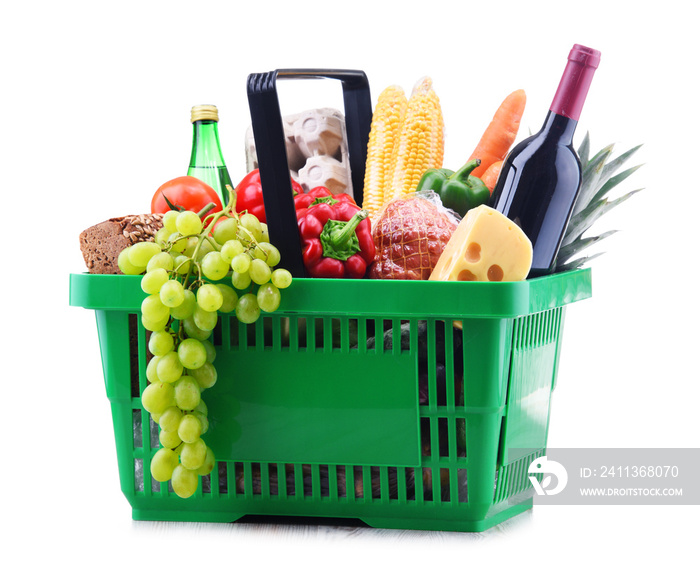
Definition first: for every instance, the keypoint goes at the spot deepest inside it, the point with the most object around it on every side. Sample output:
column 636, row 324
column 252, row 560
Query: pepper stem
column 339, row 238
column 463, row 173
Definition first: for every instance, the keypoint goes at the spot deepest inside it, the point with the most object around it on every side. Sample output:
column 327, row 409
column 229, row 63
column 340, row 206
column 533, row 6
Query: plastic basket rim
column 369, row 297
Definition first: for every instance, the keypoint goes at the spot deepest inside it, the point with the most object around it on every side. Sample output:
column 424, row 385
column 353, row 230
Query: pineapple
column 592, row 202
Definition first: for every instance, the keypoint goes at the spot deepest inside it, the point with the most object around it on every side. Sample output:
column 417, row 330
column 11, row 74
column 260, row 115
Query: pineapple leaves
column 583, row 221
column 584, row 149
column 579, row 244
column 599, row 177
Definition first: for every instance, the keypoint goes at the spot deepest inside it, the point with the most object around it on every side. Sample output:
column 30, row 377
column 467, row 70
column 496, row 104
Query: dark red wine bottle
column 541, row 176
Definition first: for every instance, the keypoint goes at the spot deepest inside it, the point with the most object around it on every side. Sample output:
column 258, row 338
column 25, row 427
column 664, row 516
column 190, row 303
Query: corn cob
column 383, row 138
column 421, row 141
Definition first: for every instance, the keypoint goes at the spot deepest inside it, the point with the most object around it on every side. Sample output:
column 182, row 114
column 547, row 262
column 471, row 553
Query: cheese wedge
column 487, row 246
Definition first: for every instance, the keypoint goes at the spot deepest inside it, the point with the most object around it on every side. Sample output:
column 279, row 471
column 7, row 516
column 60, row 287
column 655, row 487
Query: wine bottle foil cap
column 202, row 112
column 585, row 56
column 575, row 82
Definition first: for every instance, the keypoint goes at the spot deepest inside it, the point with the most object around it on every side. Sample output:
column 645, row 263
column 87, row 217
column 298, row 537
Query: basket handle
column 270, row 147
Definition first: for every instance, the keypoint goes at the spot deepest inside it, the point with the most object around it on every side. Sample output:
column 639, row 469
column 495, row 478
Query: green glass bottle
column 207, row 162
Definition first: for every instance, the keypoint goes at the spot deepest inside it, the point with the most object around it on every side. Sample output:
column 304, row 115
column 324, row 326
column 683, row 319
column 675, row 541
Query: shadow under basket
column 414, row 405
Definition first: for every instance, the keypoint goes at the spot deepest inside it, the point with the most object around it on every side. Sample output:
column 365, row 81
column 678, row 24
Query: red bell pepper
column 249, row 195
column 335, row 233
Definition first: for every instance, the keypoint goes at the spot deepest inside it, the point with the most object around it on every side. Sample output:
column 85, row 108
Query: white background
column 95, row 103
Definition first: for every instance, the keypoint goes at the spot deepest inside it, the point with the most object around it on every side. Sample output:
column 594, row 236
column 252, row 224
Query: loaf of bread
column 102, row 243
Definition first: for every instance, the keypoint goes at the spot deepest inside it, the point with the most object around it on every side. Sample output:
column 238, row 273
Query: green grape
column 240, row 263
column 168, row 439
column 211, row 350
column 230, row 298
column 152, row 281
column 281, row 277
column 154, row 323
column 205, row 320
column 161, row 260
column 188, row 223
column 156, row 417
column 209, row 297
column 193, row 331
column 170, row 220
column 265, row 235
column 186, row 393
column 226, row 230
column 202, row 407
column 190, row 429
column 268, row 253
column 231, row 249
column 153, row 308
column 251, row 223
column 163, row 463
column 151, row 367
column 247, row 309
column 162, row 235
column 126, row 266
column 205, row 248
column 193, row 454
column 190, row 247
column 170, row 419
column 240, row 280
column 214, row 266
column 177, row 242
column 161, row 342
column 172, row 294
column 205, row 376
column 186, row 308
column 157, row 397
column 169, row 367
column 192, row 353
column 208, row 465
column 203, row 420
column 259, row 271
column 184, row 481
column 141, row 252
column 268, row 297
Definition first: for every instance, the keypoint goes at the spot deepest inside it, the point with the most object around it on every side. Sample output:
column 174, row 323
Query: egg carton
column 317, row 150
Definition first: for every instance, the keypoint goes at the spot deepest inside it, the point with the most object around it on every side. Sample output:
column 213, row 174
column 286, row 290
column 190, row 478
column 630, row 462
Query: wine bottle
column 541, row 176
column 207, row 162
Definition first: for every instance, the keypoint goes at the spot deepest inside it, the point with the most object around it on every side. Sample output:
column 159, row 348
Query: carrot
column 490, row 176
column 500, row 133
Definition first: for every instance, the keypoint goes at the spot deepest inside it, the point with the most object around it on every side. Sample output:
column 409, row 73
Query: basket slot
column 462, row 490
column 135, row 336
column 139, row 476
column 137, row 433
column 222, row 477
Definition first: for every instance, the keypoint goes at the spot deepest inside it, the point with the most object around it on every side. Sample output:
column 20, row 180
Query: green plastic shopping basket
column 398, row 403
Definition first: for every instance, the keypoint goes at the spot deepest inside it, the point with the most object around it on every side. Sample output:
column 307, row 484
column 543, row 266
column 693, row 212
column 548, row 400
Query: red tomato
column 186, row 192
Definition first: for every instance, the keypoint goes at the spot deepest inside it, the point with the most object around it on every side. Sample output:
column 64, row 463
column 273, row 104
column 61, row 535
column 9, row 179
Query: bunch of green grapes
column 184, row 274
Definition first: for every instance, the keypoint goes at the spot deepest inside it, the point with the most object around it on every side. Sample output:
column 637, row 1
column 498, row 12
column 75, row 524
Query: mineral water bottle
column 207, row 162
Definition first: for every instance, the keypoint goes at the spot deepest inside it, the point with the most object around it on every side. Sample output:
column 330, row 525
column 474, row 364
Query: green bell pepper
column 457, row 190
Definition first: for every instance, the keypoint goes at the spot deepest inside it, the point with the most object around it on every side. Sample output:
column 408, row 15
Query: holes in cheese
column 466, row 275
column 495, row 273
column 486, row 246
column 473, row 253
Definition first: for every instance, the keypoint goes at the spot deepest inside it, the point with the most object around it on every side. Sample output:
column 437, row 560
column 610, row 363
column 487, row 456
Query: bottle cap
column 575, row 82
column 585, row 56
column 202, row 112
